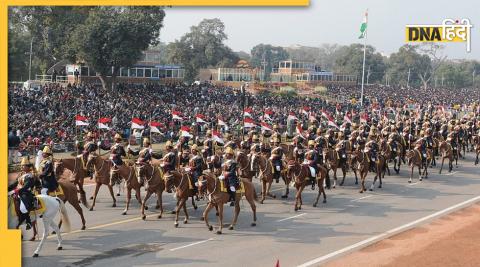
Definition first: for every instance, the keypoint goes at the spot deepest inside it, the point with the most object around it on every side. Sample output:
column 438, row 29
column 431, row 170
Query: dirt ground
column 452, row 240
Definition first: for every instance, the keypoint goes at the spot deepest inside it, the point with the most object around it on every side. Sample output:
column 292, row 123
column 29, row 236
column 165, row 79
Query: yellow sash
column 58, row 192
column 224, row 189
column 39, row 210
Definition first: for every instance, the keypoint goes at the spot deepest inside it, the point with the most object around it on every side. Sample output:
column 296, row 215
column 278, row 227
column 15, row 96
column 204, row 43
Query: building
column 235, row 76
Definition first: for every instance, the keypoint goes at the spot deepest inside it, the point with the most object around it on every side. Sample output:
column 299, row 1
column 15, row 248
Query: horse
column 333, row 161
column 300, row 173
column 79, row 172
column 179, row 181
column 414, row 158
column 210, row 185
column 476, row 142
column 102, row 176
column 362, row 166
column 129, row 176
column 52, row 206
column 446, row 151
column 348, row 145
column 288, row 150
column 151, row 177
column 265, row 167
column 244, row 166
column 396, row 153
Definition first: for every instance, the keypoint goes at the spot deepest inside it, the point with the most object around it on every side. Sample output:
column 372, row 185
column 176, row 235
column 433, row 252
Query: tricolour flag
column 200, row 118
column 81, row 120
column 331, row 122
column 102, row 123
column 221, row 122
column 248, row 123
column 217, row 137
column 137, row 123
column 363, row 117
column 347, row 118
column 268, row 115
column 363, row 27
column 325, row 114
column 185, row 131
column 247, row 112
column 266, row 126
column 154, row 127
column 176, row 115
column 291, row 116
column 305, row 110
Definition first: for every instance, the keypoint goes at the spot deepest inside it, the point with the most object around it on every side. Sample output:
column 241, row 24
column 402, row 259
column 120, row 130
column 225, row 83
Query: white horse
column 53, row 206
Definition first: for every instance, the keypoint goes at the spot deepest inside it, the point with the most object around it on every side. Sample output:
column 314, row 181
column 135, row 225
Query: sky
column 335, row 21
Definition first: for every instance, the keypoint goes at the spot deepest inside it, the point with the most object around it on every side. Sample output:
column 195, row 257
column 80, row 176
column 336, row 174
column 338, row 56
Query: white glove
column 99, row 143
column 128, row 147
column 76, row 142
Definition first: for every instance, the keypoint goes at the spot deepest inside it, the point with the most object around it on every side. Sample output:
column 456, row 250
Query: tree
column 433, row 52
column 202, row 47
column 350, row 60
column 269, row 54
column 406, row 60
column 114, row 37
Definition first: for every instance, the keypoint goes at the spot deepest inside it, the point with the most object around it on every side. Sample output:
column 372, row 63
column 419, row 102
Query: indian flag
column 363, row 27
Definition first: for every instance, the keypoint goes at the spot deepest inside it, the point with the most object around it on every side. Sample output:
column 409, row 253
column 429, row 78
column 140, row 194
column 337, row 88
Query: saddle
column 57, row 192
column 38, row 207
column 240, row 189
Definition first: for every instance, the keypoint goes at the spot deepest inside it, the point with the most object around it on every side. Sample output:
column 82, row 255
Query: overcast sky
column 335, row 21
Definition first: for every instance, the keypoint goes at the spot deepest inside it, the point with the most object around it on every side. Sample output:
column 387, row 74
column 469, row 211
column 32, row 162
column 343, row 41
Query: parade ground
column 400, row 224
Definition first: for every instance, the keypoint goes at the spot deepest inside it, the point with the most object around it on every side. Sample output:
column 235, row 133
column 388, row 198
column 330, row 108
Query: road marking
column 414, row 183
column 452, row 173
column 192, row 244
column 284, row 219
column 388, row 233
column 353, row 200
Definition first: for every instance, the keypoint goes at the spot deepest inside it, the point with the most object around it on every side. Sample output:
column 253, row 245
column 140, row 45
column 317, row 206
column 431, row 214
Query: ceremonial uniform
column 47, row 175
column 169, row 160
column 208, row 145
column 229, row 172
column 23, row 188
column 195, row 163
column 276, row 158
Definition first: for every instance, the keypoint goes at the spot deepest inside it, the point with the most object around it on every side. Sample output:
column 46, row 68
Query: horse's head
column 292, row 166
column 140, row 171
column 169, row 182
column 91, row 161
column 202, row 184
column 58, row 168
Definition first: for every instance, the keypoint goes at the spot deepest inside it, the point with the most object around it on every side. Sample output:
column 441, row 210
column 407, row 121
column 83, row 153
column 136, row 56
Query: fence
column 49, row 78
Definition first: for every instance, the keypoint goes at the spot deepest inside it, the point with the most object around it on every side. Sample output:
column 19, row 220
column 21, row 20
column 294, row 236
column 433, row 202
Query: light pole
column 30, row 64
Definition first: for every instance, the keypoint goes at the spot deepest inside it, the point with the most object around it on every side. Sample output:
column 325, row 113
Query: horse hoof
column 195, row 207
column 217, row 214
column 296, row 208
column 146, row 207
column 361, row 192
column 409, row 182
column 231, row 227
column 35, row 255
column 341, row 184
column 157, row 207
column 185, row 222
column 284, row 196
column 59, row 248
column 379, row 186
column 91, row 197
column 261, row 201
column 144, row 217
column 202, row 218
column 91, row 209
column 371, row 189
column 31, row 239
column 83, row 228
column 315, row 205
column 219, row 232
column 274, row 196
column 118, row 194
column 324, row 201
column 53, row 232
column 124, row 213
column 253, row 224
column 299, row 208
column 210, row 228
column 176, row 225
column 172, row 212
column 114, row 205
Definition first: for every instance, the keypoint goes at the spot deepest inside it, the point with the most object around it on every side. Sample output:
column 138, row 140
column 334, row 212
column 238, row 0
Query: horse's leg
column 264, row 189
column 193, row 203
column 97, row 187
column 205, row 215
column 287, row 184
column 129, row 197
column 160, row 202
column 251, row 201
column 362, row 181
column 334, row 176
column 269, row 186
column 237, row 211
column 144, row 202
column 220, row 218
column 441, row 166
column 375, row 178
column 185, row 221
column 319, row 182
column 76, row 205
column 344, row 170
column 411, row 173
column 300, row 196
column 46, row 228
column 59, row 236
column 177, row 211
column 420, row 172
column 35, row 230
column 323, row 191
column 110, row 188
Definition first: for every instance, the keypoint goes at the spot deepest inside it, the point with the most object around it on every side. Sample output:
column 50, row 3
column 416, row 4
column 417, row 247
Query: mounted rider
column 46, row 173
column 298, row 151
column 229, row 173
column 330, row 136
column 208, row 144
column 371, row 148
column 117, row 151
column 196, row 165
column 276, row 158
column 146, row 154
column 229, row 142
column 340, row 147
column 23, row 188
column 89, row 146
column 169, row 160
column 311, row 159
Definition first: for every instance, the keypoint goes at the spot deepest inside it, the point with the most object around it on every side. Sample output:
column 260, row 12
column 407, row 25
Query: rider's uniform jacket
column 169, row 161
column 89, row 147
column 47, row 175
column 25, row 185
column 208, row 146
column 229, row 168
column 312, row 157
column 116, row 153
column 265, row 148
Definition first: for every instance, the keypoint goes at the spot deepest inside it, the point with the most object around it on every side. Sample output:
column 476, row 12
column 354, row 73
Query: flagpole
column 364, row 54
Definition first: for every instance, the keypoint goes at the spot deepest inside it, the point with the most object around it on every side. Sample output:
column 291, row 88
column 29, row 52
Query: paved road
column 293, row 238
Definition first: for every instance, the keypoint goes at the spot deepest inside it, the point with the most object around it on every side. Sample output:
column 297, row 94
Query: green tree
column 406, row 60
column 269, row 54
column 349, row 60
column 114, row 37
column 202, row 47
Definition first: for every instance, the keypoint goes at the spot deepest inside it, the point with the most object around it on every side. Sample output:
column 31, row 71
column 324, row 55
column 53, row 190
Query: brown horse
column 414, row 158
column 179, row 182
column 396, row 153
column 129, row 176
column 210, row 185
column 362, row 166
column 300, row 173
column 334, row 161
column 446, row 152
column 288, row 151
column 151, row 177
column 244, row 166
column 476, row 142
column 265, row 168
column 79, row 172
column 102, row 176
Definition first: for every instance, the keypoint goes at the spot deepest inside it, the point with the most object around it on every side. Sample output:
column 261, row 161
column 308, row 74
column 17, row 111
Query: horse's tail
column 64, row 215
